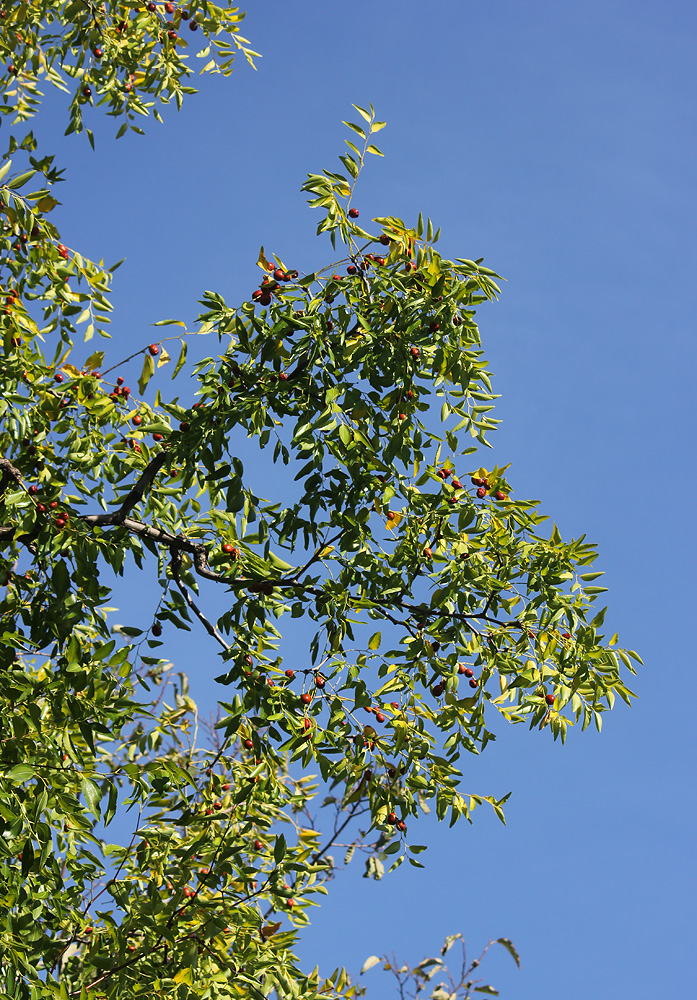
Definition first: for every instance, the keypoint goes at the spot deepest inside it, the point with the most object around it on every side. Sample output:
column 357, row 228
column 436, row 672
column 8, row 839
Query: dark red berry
column 385, row 239
column 290, row 674
column 154, row 349
column 549, row 698
column 351, row 269
column 248, row 745
column 156, row 629
column 473, row 683
column 481, row 492
column 353, row 213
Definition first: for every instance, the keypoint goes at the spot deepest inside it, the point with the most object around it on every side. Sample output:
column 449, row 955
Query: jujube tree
column 433, row 600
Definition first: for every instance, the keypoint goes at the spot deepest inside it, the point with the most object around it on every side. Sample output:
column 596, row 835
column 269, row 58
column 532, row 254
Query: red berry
column 385, row 239
column 566, row 635
column 306, row 698
column 53, row 504
column 154, row 349
column 171, row 34
column 394, row 704
column 193, row 26
column 40, row 507
column 217, row 804
column 392, row 818
column 265, row 298
column 248, row 744
column 290, row 674
column 428, row 552
column 60, row 523
column 473, row 683
column 258, row 846
column 33, row 490
column 549, row 698
column 353, row 213
column 184, row 426
column 98, row 53
column 169, row 7
column 500, row 495
column 461, row 668
column 351, row 269
column 226, row 786
column 87, row 91
column 468, row 672
column 380, row 717
column 58, row 377
column 320, row 682
column 481, row 492
column 157, row 437
column 415, row 352
column 279, row 274
column 401, row 825
column 402, row 416
column 137, row 420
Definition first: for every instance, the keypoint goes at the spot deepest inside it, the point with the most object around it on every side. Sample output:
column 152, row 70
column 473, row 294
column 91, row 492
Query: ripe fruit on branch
column 156, row 629
column 279, row 275
column 33, row 490
column 428, row 552
column 380, row 717
column 385, row 239
column 391, row 515
column 320, row 681
column 58, row 377
column 306, row 698
column 157, row 437
column 226, row 786
column 473, row 683
column 500, row 495
column 353, row 213
column 392, row 818
column 228, row 548
column 351, row 269
column 468, row 672
column 184, row 426
column 549, row 698
column 476, row 481
column 481, row 492
column 415, row 352
column 290, row 674
column 154, row 349
column 402, row 826
column 258, row 845
column 265, row 298
column 249, row 744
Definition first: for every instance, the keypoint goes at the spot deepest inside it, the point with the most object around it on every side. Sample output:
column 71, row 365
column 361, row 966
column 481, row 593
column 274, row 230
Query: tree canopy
column 434, row 602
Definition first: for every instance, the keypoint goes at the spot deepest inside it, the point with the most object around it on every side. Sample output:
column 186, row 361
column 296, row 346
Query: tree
column 432, row 599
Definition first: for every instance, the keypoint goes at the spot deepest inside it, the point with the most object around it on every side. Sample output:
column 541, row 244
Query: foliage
column 433, row 601
column 449, row 985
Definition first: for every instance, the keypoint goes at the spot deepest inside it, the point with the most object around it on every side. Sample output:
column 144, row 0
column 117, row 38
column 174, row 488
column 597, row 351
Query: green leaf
column 20, row 773
column 375, row 640
column 510, row 948
column 180, row 360
column 147, row 372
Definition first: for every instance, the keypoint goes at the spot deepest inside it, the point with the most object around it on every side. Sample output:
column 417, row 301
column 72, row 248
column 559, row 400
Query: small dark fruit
column 549, row 698
column 154, row 349
column 353, row 213
column 290, row 674
column 248, row 745
column 156, row 629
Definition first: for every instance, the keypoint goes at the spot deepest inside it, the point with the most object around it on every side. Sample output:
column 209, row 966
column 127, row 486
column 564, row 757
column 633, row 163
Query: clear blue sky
column 557, row 140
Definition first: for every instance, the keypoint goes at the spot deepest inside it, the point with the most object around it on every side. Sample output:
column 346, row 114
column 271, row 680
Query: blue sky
column 557, row 141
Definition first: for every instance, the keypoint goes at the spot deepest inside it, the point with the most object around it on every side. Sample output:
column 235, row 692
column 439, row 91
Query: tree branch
column 175, row 566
